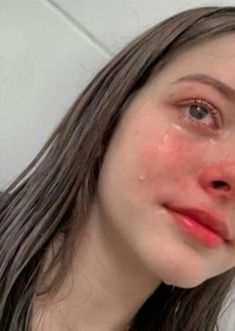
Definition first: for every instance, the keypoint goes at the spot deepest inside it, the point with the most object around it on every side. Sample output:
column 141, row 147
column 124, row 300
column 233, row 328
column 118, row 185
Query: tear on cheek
column 174, row 154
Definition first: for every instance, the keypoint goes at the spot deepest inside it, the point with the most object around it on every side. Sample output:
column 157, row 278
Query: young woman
column 126, row 218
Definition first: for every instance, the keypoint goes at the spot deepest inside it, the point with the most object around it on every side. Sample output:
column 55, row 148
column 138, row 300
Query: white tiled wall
column 49, row 51
column 45, row 61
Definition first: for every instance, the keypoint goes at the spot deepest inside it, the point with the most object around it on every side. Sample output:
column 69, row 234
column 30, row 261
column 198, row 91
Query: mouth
column 202, row 225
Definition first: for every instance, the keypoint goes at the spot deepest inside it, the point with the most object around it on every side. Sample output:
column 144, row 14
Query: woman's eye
column 201, row 113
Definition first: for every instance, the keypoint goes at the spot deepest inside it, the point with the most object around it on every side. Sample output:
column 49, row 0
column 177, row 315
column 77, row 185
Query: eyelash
column 200, row 102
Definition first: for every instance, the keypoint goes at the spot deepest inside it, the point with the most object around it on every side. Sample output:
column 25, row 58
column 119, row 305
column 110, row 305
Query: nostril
column 221, row 184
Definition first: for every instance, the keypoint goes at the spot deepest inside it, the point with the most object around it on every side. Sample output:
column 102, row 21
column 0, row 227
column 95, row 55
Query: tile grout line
column 78, row 27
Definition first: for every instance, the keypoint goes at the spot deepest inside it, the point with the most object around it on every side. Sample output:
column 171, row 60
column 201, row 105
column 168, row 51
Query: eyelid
column 185, row 92
column 200, row 99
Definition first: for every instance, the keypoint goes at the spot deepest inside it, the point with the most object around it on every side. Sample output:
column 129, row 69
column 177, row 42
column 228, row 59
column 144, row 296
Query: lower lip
column 204, row 235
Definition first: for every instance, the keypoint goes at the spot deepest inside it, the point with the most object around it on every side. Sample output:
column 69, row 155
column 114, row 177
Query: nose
column 219, row 180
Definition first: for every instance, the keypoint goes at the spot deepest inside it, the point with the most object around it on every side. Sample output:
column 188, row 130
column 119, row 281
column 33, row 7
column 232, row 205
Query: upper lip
column 205, row 218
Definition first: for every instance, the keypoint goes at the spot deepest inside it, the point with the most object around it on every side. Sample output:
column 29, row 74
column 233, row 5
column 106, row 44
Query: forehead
column 214, row 57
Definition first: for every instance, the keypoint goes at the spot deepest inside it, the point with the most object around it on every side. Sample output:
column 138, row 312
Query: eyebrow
column 221, row 87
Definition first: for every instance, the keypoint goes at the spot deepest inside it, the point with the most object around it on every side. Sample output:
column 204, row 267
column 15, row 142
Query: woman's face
column 166, row 151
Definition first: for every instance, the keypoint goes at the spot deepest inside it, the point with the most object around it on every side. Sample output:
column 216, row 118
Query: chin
column 186, row 267
column 184, row 282
column 185, row 278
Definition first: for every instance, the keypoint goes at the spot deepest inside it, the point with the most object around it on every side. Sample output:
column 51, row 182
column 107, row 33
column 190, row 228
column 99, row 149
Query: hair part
column 49, row 201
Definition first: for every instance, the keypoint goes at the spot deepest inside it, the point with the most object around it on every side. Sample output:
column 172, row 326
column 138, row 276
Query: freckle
column 142, row 177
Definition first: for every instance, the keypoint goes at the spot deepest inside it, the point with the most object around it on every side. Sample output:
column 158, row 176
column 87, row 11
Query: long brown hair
column 51, row 197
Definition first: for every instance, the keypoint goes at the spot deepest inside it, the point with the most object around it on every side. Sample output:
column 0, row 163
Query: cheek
column 171, row 157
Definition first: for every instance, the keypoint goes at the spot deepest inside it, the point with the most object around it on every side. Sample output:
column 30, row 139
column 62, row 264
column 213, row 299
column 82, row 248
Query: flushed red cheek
column 170, row 156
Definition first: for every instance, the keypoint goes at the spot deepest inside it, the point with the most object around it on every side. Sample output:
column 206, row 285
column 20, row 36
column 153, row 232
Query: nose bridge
column 218, row 179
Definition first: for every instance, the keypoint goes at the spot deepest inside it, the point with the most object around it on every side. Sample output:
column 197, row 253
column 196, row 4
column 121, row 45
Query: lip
column 205, row 218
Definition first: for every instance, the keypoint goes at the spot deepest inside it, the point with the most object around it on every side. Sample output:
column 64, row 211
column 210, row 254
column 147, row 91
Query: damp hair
column 50, row 199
